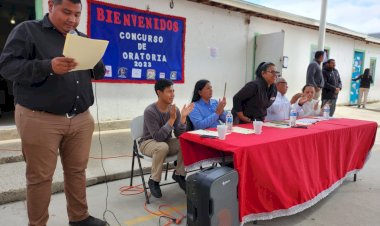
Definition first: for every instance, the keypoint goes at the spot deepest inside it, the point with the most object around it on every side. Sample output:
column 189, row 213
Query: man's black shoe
column 180, row 180
column 155, row 188
column 89, row 221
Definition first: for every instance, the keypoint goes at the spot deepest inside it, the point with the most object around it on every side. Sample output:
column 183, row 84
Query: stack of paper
column 204, row 132
column 240, row 130
column 277, row 124
column 307, row 121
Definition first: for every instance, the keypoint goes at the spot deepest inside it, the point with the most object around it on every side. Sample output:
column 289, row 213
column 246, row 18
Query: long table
column 284, row 171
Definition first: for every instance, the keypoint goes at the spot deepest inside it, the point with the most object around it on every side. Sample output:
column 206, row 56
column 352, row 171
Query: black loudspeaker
column 212, row 197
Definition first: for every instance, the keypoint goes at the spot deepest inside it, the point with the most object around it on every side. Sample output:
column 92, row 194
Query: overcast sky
column 358, row 15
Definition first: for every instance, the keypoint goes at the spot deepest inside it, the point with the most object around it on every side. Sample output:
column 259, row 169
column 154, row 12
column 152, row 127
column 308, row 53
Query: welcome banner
column 143, row 46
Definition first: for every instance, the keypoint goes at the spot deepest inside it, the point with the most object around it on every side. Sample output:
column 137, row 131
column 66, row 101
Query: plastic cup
column 222, row 131
column 258, row 127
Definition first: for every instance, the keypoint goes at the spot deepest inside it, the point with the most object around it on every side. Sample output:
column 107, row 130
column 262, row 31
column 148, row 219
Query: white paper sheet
column 321, row 118
column 204, row 132
column 86, row 52
column 241, row 130
column 307, row 121
column 277, row 124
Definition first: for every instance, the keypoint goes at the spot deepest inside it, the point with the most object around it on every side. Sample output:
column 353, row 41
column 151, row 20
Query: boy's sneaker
column 155, row 189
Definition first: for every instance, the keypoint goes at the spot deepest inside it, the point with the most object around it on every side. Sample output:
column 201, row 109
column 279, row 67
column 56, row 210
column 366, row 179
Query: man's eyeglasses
column 276, row 73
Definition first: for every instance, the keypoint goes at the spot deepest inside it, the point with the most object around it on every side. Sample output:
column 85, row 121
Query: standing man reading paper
column 52, row 110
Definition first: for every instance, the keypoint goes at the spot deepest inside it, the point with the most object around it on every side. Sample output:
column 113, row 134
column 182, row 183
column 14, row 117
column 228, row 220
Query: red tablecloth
column 284, row 171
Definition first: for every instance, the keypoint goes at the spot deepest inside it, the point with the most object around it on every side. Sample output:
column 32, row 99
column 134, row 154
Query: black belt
column 67, row 115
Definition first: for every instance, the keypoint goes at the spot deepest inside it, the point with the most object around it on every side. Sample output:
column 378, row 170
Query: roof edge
column 285, row 17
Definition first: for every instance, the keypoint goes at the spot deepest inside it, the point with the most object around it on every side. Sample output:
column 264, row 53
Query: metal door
column 270, row 48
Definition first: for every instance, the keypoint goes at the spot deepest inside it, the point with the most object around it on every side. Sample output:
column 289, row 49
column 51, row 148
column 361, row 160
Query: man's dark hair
column 329, row 60
column 319, row 54
column 161, row 84
column 198, row 87
column 58, row 2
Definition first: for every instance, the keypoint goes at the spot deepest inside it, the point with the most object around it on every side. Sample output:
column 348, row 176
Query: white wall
column 227, row 31
column 297, row 47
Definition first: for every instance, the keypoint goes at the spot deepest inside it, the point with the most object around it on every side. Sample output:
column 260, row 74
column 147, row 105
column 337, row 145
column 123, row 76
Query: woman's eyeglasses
column 276, row 73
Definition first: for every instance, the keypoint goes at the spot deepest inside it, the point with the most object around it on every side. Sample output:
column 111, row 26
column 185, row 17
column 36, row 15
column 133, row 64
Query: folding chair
column 137, row 126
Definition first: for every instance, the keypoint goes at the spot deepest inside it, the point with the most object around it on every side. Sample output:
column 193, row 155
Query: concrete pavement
column 351, row 204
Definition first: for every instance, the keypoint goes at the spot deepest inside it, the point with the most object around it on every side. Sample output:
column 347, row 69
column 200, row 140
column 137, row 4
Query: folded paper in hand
column 86, row 52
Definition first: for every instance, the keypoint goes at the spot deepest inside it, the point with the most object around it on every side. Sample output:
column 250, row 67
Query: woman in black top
column 252, row 101
column 365, row 83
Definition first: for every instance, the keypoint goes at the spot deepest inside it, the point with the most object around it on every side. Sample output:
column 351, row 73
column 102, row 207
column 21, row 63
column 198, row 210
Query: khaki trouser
column 158, row 151
column 42, row 134
column 363, row 92
column 317, row 94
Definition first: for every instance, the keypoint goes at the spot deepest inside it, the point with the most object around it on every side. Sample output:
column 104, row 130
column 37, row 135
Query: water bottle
column 326, row 111
column 229, row 121
column 293, row 116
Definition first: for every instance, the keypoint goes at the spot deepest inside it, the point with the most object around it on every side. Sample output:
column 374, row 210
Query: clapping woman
column 207, row 112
